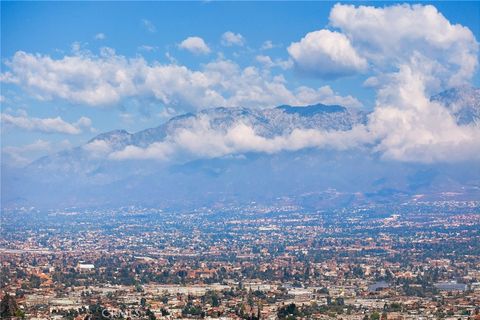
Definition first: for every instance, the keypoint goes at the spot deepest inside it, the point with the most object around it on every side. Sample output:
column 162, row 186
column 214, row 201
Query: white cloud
column 414, row 52
column 47, row 125
column 408, row 126
column 21, row 155
column 267, row 62
column 386, row 38
column 78, row 48
column 157, row 151
column 232, row 39
column 78, row 79
column 326, row 54
column 391, row 35
column 195, row 45
column 98, row 148
column 267, row 45
column 325, row 95
column 100, row 36
column 149, row 26
column 201, row 140
column 35, row 146
column 110, row 78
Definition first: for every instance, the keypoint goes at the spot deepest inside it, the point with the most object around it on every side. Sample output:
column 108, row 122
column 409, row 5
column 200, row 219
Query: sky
column 71, row 70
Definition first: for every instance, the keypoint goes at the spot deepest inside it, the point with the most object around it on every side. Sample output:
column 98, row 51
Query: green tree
column 9, row 308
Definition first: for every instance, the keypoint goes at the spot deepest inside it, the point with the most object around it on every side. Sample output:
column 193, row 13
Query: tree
column 150, row 314
column 286, row 311
column 9, row 308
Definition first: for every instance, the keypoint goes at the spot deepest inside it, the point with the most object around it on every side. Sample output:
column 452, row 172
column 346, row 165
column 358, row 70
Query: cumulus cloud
column 391, row 35
column 408, row 126
column 79, row 78
column 428, row 54
column 232, row 39
column 386, row 38
column 195, row 45
column 108, row 78
column 326, row 54
column 414, row 52
column 47, row 125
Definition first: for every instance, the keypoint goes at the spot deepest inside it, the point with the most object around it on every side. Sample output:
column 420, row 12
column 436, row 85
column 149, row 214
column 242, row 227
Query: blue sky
column 154, row 31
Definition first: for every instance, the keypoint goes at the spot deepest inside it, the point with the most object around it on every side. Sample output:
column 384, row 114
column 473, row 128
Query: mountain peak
column 311, row 109
column 463, row 102
column 111, row 135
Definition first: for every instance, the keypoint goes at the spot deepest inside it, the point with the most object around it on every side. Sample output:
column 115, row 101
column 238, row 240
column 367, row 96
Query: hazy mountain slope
column 266, row 122
column 464, row 103
column 83, row 176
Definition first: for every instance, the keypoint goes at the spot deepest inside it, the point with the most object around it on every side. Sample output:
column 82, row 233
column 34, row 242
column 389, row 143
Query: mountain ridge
column 463, row 103
column 84, row 175
column 267, row 122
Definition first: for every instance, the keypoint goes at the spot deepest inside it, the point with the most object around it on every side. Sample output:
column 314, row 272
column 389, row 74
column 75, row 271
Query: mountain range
column 311, row 177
